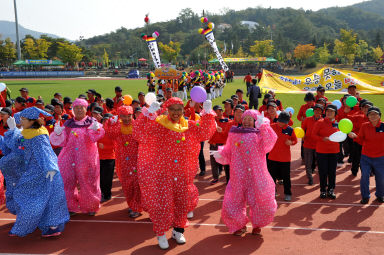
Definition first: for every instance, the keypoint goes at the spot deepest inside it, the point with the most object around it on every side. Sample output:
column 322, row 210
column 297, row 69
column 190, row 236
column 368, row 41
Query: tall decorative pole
column 17, row 33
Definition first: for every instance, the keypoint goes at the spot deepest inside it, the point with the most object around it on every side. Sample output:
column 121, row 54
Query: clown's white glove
column 155, row 106
column 207, row 106
column 114, row 119
column 94, row 126
column 58, row 129
column 215, row 154
column 11, row 123
column 260, row 119
column 50, row 175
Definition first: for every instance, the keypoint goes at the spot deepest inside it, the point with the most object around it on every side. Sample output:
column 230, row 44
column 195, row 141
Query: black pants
column 347, row 147
column 340, row 155
column 327, row 163
column 201, row 158
column 278, row 170
column 107, row 168
column 216, row 167
column 356, row 156
column 253, row 104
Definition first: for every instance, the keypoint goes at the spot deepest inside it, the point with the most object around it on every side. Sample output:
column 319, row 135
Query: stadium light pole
column 17, row 33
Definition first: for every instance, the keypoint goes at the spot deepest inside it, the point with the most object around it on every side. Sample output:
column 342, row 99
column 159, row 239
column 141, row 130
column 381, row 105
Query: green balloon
column 309, row 112
column 351, row 101
column 345, row 126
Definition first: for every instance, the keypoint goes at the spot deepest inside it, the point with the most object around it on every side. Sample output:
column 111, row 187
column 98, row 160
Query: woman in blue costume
column 39, row 193
column 12, row 163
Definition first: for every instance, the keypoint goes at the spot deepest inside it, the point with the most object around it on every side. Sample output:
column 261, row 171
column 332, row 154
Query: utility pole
column 17, row 33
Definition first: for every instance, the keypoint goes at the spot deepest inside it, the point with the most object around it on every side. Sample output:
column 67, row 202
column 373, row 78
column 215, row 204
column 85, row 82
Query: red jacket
column 107, row 151
column 308, row 125
column 221, row 137
column 358, row 120
column 117, row 102
column 341, row 114
column 317, row 97
column 282, row 152
column 263, row 108
column 248, row 78
column 274, row 120
column 325, row 128
column 301, row 115
column 372, row 139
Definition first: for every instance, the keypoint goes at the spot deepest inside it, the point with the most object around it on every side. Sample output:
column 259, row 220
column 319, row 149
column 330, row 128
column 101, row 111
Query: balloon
column 198, row 94
column 202, row 20
column 150, row 98
column 2, row 86
column 142, row 35
column 145, row 37
column 152, row 75
column 309, row 112
column 146, row 19
column 345, row 126
column 290, row 110
column 338, row 137
column 127, row 100
column 205, row 19
column 201, row 30
column 197, row 72
column 211, row 25
column 299, row 132
column 351, row 101
column 337, row 103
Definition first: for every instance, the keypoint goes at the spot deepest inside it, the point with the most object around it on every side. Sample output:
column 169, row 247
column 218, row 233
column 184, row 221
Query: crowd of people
column 59, row 159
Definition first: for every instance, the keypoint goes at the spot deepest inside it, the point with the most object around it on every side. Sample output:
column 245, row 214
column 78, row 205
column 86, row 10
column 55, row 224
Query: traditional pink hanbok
column 250, row 183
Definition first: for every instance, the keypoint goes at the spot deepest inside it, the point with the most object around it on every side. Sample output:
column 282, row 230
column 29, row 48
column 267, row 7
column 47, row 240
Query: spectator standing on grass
column 248, row 79
column 254, row 94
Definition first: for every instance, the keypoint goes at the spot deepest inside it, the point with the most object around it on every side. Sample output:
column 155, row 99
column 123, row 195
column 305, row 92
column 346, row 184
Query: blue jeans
column 367, row 164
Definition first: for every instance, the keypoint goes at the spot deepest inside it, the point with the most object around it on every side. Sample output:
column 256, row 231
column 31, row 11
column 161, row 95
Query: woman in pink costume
column 245, row 151
column 119, row 129
column 79, row 160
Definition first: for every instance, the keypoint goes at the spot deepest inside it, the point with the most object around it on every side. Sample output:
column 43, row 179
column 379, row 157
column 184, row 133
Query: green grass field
column 72, row 88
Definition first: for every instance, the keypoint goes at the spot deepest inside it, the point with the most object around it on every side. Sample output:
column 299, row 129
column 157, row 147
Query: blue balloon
column 337, row 103
column 290, row 110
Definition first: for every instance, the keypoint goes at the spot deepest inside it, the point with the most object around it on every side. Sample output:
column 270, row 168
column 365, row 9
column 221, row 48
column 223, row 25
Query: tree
column 377, row 53
column 240, row 53
column 69, row 53
column 42, row 48
column 362, row 49
column 36, row 49
column 323, row 54
column 346, row 46
column 30, row 48
column 262, row 48
column 170, row 51
column 7, row 51
column 304, row 52
column 105, row 58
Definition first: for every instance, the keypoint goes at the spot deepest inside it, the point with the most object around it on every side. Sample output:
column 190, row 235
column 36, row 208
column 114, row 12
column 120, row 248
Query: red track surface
column 305, row 225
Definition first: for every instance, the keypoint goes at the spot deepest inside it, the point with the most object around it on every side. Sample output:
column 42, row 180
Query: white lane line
column 223, row 225
column 297, row 202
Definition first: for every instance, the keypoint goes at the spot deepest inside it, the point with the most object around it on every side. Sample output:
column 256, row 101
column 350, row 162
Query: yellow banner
column 333, row 80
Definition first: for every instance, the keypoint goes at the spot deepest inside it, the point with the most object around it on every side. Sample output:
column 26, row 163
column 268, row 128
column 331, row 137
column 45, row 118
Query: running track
column 307, row 224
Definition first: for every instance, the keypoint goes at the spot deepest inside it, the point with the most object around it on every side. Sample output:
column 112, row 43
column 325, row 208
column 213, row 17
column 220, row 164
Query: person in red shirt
column 309, row 103
column 277, row 101
column 272, row 113
column 20, row 104
column 259, row 75
column 68, row 106
column 107, row 163
column 218, row 139
column 371, row 135
column 247, row 80
column 279, row 159
column 39, row 104
column 109, row 106
column 327, row 151
column 237, row 115
column 91, row 95
column 320, row 93
column 29, row 100
column 309, row 145
column 118, row 99
column 228, row 109
column 5, row 113
column 59, row 116
column 358, row 120
column 141, row 97
column 267, row 98
column 58, row 96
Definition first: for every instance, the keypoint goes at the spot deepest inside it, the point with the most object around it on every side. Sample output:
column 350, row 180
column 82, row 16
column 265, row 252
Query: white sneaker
column 179, row 237
column 190, row 215
column 163, row 242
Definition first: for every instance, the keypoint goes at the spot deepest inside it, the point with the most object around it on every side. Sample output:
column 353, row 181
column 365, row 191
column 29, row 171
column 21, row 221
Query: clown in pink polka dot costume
column 250, row 184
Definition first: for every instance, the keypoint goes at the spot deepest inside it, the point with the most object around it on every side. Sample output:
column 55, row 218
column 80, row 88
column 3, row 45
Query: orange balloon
column 127, row 100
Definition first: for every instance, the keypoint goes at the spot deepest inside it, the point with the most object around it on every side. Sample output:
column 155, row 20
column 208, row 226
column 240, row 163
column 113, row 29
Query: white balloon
column 2, row 86
column 150, row 98
column 338, row 137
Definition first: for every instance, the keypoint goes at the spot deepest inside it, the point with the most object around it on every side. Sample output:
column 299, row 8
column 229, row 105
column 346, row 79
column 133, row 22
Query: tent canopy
column 142, row 59
column 38, row 62
column 244, row 60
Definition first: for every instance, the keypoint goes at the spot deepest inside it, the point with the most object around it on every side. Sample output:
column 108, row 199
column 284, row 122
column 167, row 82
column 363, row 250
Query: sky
column 87, row 18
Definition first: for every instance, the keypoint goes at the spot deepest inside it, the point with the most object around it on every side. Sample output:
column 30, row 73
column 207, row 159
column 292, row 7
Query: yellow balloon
column 210, row 25
column 200, row 30
column 299, row 132
column 202, row 20
column 127, row 100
